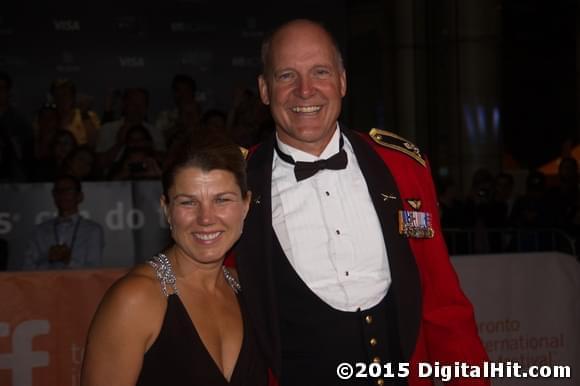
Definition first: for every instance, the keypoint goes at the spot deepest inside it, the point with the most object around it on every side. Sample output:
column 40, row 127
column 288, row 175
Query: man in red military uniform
column 342, row 259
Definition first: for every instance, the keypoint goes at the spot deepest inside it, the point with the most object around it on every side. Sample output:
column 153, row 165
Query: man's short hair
column 267, row 44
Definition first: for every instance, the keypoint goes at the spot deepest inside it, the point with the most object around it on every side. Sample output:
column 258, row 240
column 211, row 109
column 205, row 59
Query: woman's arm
column 125, row 325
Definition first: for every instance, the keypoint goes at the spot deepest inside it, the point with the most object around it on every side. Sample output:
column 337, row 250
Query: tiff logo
column 22, row 359
column 67, row 25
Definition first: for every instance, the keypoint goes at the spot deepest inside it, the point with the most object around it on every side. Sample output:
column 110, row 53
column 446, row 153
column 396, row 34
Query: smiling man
column 342, row 258
column 303, row 82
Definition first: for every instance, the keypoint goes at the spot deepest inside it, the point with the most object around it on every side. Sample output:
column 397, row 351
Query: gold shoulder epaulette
column 244, row 151
column 393, row 141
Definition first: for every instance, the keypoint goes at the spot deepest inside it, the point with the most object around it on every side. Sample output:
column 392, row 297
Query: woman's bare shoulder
column 139, row 290
column 125, row 325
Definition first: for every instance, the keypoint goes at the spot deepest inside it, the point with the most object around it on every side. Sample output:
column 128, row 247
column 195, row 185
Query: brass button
column 373, row 342
column 376, row 360
column 369, row 319
column 380, row 381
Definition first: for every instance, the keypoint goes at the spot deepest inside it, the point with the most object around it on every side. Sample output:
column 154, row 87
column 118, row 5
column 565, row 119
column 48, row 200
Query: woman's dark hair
column 208, row 152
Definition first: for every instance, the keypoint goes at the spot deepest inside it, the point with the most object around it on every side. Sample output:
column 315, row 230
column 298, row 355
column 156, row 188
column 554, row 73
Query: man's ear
column 343, row 83
column 263, row 88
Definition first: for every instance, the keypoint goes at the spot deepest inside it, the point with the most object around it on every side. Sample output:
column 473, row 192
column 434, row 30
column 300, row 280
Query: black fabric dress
column 179, row 357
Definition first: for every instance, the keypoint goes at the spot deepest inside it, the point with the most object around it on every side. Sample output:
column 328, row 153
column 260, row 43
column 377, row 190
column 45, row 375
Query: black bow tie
column 303, row 170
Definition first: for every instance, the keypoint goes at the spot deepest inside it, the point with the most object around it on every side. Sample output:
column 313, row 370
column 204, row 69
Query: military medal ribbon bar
column 415, row 224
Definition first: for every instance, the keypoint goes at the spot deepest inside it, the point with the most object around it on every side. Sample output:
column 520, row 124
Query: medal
column 415, row 224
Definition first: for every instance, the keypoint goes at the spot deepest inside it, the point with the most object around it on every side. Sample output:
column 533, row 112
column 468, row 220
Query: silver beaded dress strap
column 164, row 271
column 231, row 280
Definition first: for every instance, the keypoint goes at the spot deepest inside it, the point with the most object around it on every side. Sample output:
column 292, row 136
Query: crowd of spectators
column 491, row 218
column 66, row 136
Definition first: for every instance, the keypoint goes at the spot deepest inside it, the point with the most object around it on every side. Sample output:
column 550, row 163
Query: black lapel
column 254, row 255
column 405, row 275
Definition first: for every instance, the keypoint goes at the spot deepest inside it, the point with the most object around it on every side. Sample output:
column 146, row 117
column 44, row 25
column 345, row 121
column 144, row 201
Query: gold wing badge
column 412, row 223
column 393, row 141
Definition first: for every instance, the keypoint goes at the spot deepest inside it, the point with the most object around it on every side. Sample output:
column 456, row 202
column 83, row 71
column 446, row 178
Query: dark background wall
column 538, row 77
column 468, row 80
column 107, row 45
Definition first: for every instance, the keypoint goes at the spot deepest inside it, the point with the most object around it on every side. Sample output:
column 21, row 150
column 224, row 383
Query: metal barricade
column 507, row 240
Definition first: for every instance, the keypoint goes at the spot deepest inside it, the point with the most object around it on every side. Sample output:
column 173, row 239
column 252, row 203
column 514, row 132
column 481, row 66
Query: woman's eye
column 186, row 203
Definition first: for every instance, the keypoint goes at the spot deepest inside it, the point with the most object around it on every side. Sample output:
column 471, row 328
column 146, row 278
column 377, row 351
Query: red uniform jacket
column 435, row 318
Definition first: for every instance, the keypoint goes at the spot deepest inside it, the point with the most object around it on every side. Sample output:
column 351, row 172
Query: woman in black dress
column 178, row 320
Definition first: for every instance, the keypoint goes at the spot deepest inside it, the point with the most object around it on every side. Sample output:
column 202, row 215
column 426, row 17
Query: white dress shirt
column 84, row 237
column 329, row 229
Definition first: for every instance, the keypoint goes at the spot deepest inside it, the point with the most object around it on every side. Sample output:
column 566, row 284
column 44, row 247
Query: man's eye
column 221, row 200
column 322, row 72
column 286, row 76
column 186, row 203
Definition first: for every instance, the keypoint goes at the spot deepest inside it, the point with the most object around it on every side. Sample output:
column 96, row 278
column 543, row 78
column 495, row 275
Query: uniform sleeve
column 448, row 329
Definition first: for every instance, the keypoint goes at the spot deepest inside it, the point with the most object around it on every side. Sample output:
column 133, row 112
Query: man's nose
column 305, row 87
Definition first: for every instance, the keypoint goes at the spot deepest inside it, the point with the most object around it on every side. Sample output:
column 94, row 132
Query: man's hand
column 59, row 252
